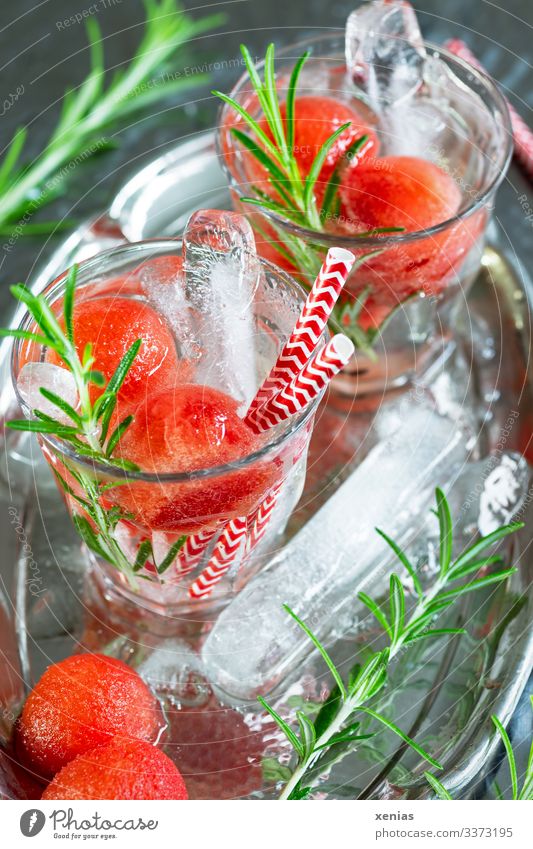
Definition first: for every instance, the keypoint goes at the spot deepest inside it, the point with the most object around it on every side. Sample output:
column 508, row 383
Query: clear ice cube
column 385, row 52
column 60, row 381
column 255, row 643
column 222, row 272
column 166, row 293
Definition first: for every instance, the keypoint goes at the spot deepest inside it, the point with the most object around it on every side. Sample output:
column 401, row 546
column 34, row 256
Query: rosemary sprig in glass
column 92, row 108
column 295, row 194
column 335, row 722
column 88, row 431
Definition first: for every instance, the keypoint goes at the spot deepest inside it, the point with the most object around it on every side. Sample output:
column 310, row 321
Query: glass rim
column 295, row 423
column 389, row 239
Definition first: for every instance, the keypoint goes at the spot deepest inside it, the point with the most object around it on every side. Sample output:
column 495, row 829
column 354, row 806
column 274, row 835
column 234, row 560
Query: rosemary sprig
column 295, row 195
column 90, row 109
column 517, row 794
column 334, row 722
column 88, row 432
column 526, row 792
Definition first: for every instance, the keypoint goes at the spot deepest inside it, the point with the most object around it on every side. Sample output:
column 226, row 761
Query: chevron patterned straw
column 522, row 135
column 193, row 550
column 260, row 519
column 305, row 386
column 309, row 327
column 224, row 556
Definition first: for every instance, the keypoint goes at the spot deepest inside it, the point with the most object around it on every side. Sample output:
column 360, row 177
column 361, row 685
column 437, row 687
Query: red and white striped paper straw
column 193, row 550
column 522, row 135
column 305, row 386
column 310, row 325
column 224, row 556
column 259, row 520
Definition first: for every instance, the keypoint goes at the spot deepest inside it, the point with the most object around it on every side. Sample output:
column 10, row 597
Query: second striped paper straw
column 305, row 386
column 310, row 325
column 228, row 549
column 259, row 521
column 193, row 550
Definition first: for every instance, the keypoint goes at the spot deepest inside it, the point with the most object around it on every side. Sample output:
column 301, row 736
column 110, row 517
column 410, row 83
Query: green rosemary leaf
column 171, row 555
column 328, row 711
column 376, row 611
column 307, row 733
column 471, row 553
column 62, row 404
column 68, row 303
column 291, row 97
column 474, row 566
column 44, row 317
column 445, row 526
column 287, row 730
column 263, row 158
column 274, row 115
column 68, row 489
column 397, row 608
column 263, row 138
column 32, row 426
column 123, row 368
column 106, row 412
column 378, row 231
column 25, row 334
column 437, row 787
column 495, row 578
column 398, row 731
column 371, row 677
column 299, row 793
column 95, row 377
column 510, row 755
column 318, row 162
column 89, row 537
column 434, row 632
column 282, row 193
column 87, row 358
column 12, row 154
column 274, row 207
column 316, row 642
column 342, row 737
column 117, row 435
column 260, row 89
column 120, row 463
column 404, row 560
column 497, row 790
column 143, row 553
column 332, row 186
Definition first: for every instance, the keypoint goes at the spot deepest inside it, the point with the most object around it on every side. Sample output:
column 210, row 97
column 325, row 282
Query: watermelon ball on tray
column 80, row 703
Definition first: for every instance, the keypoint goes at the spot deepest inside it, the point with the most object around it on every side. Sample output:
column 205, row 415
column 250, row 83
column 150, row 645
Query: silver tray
column 47, row 612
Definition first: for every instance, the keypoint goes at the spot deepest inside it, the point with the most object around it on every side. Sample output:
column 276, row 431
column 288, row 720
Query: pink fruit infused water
column 212, row 319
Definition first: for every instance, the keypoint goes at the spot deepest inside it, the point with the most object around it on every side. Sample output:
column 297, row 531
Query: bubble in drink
column 60, row 381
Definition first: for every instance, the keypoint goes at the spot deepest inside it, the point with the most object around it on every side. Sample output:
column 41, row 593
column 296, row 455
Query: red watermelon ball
column 123, row 769
column 80, row 703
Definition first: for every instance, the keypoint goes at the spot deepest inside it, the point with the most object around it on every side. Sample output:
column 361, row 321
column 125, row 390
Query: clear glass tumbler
column 398, row 306
column 151, row 533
